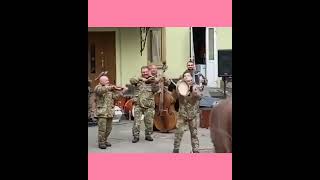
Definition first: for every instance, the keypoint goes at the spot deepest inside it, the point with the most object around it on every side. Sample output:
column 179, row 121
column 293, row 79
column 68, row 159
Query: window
column 155, row 46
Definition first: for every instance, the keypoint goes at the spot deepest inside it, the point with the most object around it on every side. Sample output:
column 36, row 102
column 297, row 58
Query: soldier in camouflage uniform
column 105, row 96
column 144, row 104
column 192, row 71
column 154, row 72
column 188, row 112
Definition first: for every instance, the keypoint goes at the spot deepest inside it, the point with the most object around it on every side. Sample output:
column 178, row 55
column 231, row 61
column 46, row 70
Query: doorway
column 101, row 56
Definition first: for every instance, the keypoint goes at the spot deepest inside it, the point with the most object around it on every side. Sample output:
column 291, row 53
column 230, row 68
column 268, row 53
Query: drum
column 182, row 88
column 121, row 102
column 129, row 109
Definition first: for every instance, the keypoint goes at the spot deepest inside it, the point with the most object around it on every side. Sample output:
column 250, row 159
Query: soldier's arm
column 102, row 89
column 155, row 80
column 205, row 80
column 134, row 81
column 196, row 93
column 167, row 81
column 116, row 95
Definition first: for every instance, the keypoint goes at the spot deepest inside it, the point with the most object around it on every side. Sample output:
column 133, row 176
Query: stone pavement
column 121, row 137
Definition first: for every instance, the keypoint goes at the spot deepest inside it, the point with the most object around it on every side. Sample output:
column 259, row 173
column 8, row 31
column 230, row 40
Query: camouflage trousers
column 186, row 128
column 148, row 120
column 105, row 127
column 181, row 123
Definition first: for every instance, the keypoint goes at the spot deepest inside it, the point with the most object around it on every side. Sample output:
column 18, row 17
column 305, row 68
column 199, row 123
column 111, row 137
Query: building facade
column 122, row 51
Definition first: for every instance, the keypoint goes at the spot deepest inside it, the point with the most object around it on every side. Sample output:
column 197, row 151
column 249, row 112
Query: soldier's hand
column 125, row 89
column 196, row 91
column 156, row 80
column 143, row 79
column 163, row 79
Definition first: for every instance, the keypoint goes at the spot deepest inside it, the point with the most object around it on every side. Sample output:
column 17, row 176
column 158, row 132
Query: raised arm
column 99, row 90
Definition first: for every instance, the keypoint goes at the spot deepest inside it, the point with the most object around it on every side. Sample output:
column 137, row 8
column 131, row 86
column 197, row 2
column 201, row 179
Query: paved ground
column 121, row 137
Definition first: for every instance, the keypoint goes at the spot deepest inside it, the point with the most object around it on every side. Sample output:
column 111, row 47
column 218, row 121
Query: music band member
column 105, row 95
column 187, row 115
column 92, row 116
column 144, row 103
column 198, row 78
column 154, row 72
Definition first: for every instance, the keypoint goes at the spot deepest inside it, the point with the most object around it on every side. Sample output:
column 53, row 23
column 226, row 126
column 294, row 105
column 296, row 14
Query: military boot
column 195, row 151
column 108, row 144
column 149, row 138
column 175, row 150
column 135, row 139
column 102, row 146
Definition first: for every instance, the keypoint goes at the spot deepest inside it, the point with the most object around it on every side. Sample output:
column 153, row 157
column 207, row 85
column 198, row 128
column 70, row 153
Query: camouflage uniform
column 188, row 114
column 144, row 105
column 205, row 82
column 105, row 111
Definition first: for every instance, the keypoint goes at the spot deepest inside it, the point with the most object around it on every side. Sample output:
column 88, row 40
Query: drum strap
column 173, row 82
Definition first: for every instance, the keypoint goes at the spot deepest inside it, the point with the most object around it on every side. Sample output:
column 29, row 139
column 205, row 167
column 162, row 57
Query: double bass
column 165, row 114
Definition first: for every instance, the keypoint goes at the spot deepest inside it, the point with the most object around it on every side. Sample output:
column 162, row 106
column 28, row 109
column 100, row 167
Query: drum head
column 182, row 88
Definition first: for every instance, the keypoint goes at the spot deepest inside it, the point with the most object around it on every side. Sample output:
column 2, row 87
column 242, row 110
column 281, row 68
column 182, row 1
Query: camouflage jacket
column 105, row 101
column 189, row 105
column 144, row 94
